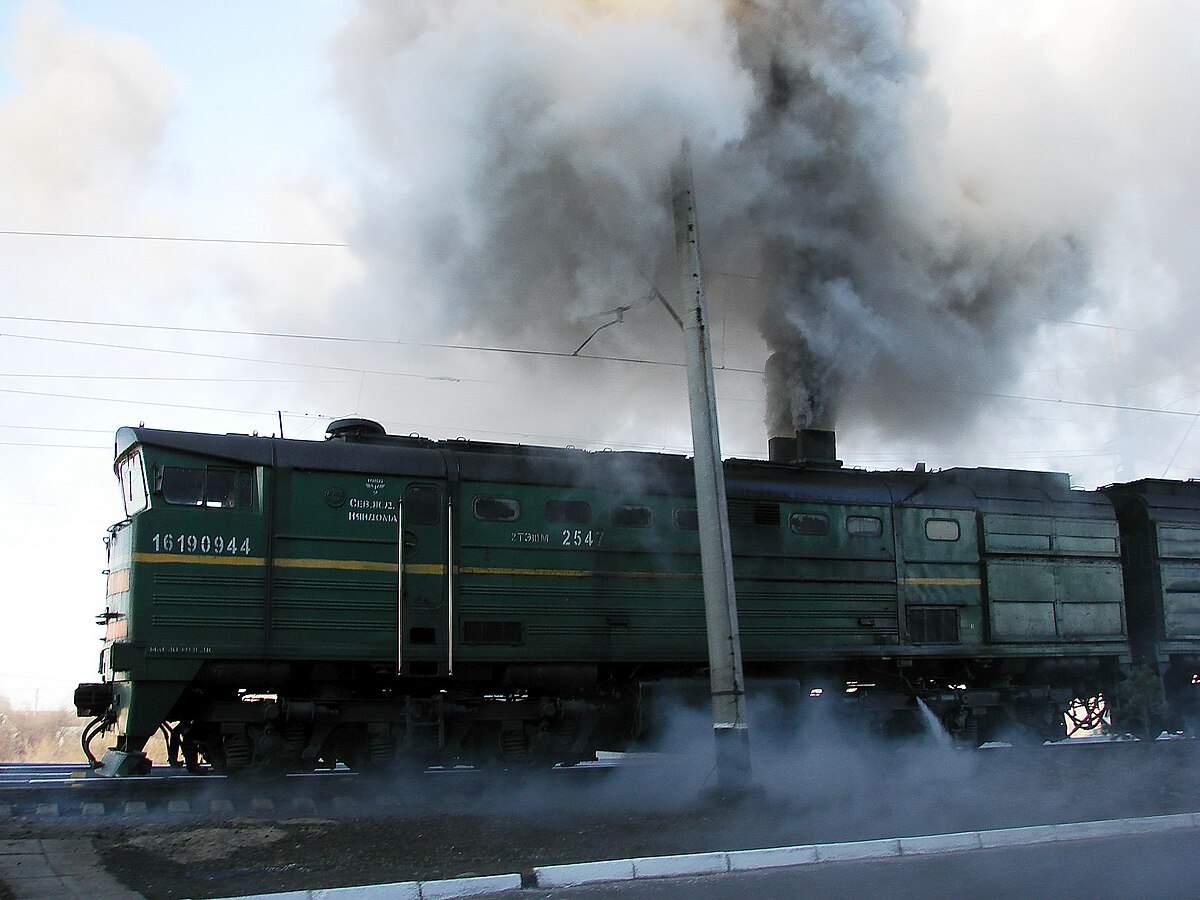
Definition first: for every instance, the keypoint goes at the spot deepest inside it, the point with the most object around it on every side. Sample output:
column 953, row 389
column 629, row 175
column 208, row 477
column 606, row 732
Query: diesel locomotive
column 373, row 599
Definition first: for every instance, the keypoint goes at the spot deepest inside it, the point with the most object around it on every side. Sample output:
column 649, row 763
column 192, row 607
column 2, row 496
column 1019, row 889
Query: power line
column 56, row 428
column 1086, row 403
column 430, row 345
column 343, row 245
column 194, row 330
column 55, row 446
column 451, row 429
column 104, row 236
column 173, row 378
column 447, row 378
column 244, row 412
column 231, row 358
column 459, row 347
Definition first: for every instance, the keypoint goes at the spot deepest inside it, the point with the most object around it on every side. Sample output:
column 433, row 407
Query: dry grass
column 52, row 736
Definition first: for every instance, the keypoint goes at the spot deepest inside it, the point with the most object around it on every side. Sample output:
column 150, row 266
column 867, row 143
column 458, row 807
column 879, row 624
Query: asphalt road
column 1159, row 865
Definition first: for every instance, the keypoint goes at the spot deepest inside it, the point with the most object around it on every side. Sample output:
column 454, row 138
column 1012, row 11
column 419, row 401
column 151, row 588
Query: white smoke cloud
column 1081, row 121
column 88, row 115
column 521, row 148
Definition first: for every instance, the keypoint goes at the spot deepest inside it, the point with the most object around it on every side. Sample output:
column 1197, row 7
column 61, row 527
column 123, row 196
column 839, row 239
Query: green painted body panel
column 1179, row 575
column 598, row 592
column 311, row 571
column 1160, row 538
column 940, row 573
column 333, row 578
column 1052, row 579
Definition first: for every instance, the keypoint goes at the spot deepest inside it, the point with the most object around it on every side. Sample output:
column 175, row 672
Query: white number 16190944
column 180, row 542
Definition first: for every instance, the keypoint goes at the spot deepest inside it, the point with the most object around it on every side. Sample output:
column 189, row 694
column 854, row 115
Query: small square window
column 864, row 526
column 422, row 504
column 568, row 512
column 687, row 519
column 631, row 516
column 496, row 509
column 942, row 529
column 809, row 524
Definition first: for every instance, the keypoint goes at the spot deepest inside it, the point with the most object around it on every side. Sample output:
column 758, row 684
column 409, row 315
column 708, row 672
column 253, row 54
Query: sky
column 228, row 217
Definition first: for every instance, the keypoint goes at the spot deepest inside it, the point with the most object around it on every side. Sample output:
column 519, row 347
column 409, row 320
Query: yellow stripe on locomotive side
column 199, row 559
column 346, row 564
column 573, row 573
column 424, row 569
column 357, row 565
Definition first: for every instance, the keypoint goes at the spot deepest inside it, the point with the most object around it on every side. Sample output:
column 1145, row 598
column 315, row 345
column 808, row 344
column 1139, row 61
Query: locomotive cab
column 195, row 515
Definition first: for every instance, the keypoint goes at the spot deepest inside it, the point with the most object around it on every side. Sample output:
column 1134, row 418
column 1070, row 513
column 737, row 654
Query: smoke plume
column 525, row 147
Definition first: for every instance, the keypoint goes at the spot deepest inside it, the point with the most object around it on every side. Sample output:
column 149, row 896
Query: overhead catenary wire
column 107, row 236
column 387, row 342
column 171, row 378
column 447, row 378
column 476, row 348
column 11, row 426
column 234, row 358
column 45, row 446
column 343, row 245
column 90, row 399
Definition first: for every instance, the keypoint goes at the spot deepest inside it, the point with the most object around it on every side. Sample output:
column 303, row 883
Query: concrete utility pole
column 730, row 729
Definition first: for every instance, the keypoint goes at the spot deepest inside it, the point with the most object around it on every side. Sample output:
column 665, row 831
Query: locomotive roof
column 1160, row 500
column 373, row 453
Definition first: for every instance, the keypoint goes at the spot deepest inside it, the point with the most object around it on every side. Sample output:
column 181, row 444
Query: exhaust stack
column 810, row 447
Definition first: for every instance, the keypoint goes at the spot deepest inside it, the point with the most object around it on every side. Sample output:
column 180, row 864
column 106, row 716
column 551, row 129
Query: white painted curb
column 448, row 889
column 719, row 863
column 888, row 848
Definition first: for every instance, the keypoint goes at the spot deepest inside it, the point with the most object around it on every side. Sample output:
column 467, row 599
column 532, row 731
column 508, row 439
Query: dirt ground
column 514, row 825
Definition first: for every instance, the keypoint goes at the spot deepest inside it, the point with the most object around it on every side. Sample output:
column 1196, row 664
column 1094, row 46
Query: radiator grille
column 484, row 632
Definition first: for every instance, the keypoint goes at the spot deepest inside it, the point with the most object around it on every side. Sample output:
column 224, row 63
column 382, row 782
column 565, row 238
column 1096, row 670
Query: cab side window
column 217, row 487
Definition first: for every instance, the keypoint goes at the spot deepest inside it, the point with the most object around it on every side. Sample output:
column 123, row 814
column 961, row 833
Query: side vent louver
column 480, row 632
column 750, row 512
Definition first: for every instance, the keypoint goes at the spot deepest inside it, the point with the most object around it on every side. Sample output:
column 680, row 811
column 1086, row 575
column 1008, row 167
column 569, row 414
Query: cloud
column 521, row 149
column 89, row 112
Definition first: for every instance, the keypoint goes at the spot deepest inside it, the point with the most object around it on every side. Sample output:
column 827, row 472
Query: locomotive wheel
column 190, row 749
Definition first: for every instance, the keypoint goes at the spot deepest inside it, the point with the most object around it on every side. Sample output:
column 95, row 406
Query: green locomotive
column 373, row 598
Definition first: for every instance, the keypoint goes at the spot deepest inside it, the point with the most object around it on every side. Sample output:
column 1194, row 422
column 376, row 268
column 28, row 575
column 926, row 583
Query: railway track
column 63, row 791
